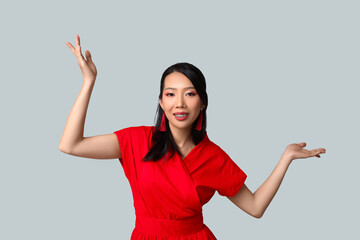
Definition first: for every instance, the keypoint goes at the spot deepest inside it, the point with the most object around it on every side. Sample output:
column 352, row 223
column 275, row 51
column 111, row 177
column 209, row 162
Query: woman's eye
column 172, row 94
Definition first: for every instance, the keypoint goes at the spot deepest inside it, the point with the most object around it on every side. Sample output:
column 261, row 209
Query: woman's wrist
column 286, row 158
column 88, row 83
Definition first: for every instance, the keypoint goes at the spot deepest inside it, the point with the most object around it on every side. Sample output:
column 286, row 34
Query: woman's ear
column 160, row 102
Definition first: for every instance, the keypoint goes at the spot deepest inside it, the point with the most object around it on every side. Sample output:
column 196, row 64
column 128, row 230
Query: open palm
column 87, row 66
column 296, row 151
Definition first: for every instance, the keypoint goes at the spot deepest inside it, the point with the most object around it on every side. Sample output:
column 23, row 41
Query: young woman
column 173, row 167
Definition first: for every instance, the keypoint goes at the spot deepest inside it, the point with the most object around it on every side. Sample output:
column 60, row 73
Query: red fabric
column 169, row 195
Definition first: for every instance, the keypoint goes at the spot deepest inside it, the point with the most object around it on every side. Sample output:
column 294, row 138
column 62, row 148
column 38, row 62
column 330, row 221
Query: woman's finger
column 77, row 39
column 71, row 47
column 77, row 50
column 88, row 56
column 320, row 150
column 316, row 152
column 78, row 47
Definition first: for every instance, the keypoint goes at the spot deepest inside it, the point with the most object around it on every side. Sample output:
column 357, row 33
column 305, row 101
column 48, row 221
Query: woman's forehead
column 177, row 80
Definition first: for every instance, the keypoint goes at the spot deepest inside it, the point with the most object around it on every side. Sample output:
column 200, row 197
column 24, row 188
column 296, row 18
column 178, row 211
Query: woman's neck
column 182, row 137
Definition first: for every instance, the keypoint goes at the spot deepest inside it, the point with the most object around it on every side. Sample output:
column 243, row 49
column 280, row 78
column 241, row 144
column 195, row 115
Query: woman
column 173, row 168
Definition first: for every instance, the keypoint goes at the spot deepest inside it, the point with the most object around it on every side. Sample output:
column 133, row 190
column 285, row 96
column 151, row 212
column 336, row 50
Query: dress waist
column 178, row 227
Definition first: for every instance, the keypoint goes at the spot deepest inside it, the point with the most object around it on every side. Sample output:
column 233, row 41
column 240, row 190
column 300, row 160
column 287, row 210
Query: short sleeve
column 220, row 172
column 124, row 139
column 134, row 143
column 230, row 178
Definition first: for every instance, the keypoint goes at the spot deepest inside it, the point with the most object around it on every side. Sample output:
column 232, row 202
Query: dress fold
column 168, row 196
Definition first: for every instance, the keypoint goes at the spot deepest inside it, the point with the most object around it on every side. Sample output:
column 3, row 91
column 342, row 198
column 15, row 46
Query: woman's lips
column 181, row 116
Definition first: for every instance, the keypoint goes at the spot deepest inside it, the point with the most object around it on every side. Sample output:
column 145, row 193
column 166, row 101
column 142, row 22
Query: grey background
column 278, row 72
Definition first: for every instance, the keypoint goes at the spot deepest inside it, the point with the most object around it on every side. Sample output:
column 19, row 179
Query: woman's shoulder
column 142, row 128
column 137, row 130
column 214, row 148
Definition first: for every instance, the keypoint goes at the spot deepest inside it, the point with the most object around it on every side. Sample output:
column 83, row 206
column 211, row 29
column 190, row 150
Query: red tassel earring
column 199, row 123
column 163, row 125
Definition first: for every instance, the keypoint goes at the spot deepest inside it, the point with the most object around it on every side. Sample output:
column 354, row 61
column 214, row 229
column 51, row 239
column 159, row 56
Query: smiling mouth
column 181, row 115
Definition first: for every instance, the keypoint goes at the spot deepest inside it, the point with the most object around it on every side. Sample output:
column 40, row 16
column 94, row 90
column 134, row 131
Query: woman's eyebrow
column 175, row 88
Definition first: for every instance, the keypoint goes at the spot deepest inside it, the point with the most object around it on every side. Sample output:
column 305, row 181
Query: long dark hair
column 163, row 142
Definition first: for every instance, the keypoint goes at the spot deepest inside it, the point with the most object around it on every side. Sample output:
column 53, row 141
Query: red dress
column 169, row 195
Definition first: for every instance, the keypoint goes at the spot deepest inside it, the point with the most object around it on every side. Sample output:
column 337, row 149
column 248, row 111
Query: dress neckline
column 205, row 139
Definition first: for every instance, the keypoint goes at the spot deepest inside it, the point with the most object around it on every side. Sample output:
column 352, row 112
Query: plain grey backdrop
column 278, row 72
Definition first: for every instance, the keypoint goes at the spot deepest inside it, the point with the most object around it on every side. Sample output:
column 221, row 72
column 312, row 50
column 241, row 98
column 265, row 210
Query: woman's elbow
column 257, row 214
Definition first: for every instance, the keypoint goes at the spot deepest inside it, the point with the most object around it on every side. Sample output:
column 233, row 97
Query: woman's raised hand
column 87, row 66
column 296, row 151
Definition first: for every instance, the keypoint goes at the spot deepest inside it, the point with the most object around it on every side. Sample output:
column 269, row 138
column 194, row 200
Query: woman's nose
column 180, row 101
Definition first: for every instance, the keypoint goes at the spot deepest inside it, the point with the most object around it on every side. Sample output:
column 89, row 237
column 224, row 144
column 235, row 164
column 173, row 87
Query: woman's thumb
column 88, row 55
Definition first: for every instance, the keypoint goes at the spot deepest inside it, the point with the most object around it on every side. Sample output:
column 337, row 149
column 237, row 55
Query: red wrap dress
column 169, row 195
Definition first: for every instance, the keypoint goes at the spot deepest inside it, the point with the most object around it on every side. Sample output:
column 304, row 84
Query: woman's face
column 180, row 101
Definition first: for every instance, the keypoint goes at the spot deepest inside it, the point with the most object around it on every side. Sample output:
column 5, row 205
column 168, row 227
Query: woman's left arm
column 256, row 203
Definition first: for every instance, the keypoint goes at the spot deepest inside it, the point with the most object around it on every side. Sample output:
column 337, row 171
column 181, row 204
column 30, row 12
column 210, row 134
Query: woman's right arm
column 72, row 141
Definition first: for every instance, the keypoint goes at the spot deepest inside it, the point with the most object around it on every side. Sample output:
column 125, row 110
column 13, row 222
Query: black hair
column 163, row 142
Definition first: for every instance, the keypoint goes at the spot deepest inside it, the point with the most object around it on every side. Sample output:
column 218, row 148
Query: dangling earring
column 163, row 125
column 199, row 123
